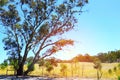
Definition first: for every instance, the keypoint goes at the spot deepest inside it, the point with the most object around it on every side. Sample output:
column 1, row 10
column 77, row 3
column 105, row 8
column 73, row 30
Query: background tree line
column 110, row 56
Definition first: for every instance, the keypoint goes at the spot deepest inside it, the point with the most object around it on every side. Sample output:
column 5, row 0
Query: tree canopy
column 110, row 56
column 33, row 27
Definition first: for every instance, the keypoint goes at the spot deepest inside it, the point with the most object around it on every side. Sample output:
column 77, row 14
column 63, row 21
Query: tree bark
column 26, row 72
column 29, row 68
column 20, row 70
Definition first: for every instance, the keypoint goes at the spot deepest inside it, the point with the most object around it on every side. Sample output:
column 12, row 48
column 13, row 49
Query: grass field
column 82, row 69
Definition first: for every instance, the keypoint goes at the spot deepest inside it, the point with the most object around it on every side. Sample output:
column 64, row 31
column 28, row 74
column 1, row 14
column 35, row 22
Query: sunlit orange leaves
column 58, row 46
column 54, row 49
column 63, row 42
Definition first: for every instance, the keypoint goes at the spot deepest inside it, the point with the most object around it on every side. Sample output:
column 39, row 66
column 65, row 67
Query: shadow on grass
column 10, row 77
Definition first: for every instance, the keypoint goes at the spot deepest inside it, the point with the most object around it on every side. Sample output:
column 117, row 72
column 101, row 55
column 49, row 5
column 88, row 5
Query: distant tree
column 88, row 58
column 115, row 69
column 63, row 69
column 82, row 69
column 80, row 58
column 102, row 57
column 4, row 65
column 110, row 56
column 50, row 64
column 83, row 58
column 74, row 65
column 14, row 64
column 49, row 67
column 72, row 70
column 98, row 67
column 118, row 54
column 110, row 71
column 33, row 27
column 41, row 63
column 53, row 61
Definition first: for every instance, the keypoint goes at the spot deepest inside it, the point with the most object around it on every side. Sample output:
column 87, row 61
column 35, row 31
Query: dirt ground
column 44, row 78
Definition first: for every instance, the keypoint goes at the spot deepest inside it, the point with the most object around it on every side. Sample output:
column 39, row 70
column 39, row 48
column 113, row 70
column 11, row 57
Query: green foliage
column 44, row 30
column 18, row 26
column 118, row 77
column 14, row 63
column 110, row 56
column 32, row 68
column 61, row 9
column 3, row 2
column 4, row 64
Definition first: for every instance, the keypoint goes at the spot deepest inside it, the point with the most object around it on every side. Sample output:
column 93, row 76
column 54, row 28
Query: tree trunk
column 97, row 75
column 82, row 69
column 26, row 72
column 42, row 70
column 71, row 69
column 29, row 68
column 20, row 70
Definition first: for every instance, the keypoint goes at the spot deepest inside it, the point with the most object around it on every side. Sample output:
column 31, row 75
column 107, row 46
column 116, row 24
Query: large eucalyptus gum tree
column 32, row 27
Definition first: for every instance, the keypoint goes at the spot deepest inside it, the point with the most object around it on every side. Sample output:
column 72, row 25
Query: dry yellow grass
column 82, row 69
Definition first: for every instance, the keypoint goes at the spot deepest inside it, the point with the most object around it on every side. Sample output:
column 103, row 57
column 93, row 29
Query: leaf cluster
column 4, row 65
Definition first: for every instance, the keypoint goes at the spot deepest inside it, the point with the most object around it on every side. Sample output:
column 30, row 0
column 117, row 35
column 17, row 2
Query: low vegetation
column 88, row 71
column 84, row 66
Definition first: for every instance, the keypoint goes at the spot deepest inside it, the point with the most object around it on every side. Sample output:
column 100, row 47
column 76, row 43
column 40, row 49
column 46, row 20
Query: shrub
column 118, row 77
column 115, row 69
column 3, row 65
column 110, row 71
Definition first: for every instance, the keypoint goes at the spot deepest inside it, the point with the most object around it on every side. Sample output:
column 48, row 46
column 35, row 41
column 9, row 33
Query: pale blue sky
column 98, row 30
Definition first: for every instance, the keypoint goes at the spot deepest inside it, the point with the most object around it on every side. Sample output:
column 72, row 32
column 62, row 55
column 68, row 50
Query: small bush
column 3, row 65
column 118, row 77
column 110, row 71
column 115, row 69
